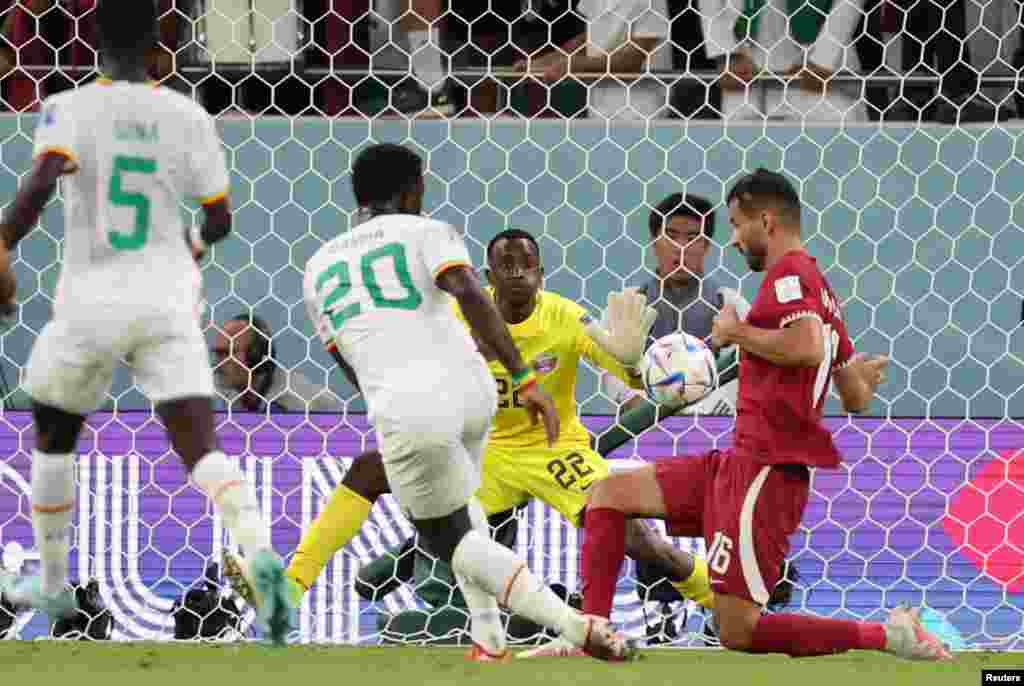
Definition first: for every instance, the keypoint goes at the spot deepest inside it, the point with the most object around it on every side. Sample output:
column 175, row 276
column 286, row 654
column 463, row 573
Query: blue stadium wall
column 918, row 229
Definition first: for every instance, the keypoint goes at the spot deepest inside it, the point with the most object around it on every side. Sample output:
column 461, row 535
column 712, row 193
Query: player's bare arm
column 216, row 227
column 798, row 344
column 24, row 212
column 33, row 196
column 487, row 324
column 858, row 380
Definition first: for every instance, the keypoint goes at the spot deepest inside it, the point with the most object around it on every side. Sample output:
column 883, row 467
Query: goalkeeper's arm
column 646, row 414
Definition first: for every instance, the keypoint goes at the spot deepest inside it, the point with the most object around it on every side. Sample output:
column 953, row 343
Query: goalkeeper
column 553, row 333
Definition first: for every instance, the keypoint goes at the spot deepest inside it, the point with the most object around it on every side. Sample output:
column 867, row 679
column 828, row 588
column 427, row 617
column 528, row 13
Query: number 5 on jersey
column 119, row 197
column 337, row 280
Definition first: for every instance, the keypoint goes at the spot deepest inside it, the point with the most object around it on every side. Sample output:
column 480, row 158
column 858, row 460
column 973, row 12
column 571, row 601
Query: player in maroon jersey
column 746, row 502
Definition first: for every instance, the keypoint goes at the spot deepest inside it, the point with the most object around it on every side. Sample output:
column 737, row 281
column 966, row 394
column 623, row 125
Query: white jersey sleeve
column 207, row 164
column 55, row 132
column 442, row 248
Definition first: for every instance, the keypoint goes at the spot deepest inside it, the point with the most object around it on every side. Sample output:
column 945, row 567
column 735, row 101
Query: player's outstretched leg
column 346, row 512
column 189, row 423
column 486, row 630
column 494, row 568
column 53, row 502
column 742, row 626
column 687, row 573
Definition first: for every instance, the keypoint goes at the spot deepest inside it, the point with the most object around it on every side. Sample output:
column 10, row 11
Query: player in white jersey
column 380, row 299
column 129, row 152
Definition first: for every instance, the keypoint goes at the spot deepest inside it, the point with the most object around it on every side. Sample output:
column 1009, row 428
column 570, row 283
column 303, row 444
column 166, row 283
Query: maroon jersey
column 778, row 409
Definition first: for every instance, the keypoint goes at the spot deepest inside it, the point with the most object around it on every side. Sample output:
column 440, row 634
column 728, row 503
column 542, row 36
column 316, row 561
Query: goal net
column 912, row 208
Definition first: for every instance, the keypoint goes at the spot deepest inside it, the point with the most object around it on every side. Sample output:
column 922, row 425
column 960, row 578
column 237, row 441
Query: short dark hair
column 126, row 27
column 762, row 187
column 679, row 205
column 511, row 235
column 383, row 171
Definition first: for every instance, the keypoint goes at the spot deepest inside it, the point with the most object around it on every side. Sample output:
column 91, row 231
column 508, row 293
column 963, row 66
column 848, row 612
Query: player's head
column 764, row 208
column 514, row 268
column 681, row 227
column 243, row 351
column 127, row 29
column 388, row 179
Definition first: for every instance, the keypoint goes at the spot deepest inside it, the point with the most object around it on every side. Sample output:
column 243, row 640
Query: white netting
column 916, row 223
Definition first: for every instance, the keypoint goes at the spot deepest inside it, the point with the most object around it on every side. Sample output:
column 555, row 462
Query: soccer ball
column 678, row 369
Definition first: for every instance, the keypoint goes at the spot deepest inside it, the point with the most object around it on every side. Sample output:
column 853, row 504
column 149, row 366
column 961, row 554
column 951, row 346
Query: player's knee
column 367, row 477
column 736, row 631
column 737, row 638
column 606, row 493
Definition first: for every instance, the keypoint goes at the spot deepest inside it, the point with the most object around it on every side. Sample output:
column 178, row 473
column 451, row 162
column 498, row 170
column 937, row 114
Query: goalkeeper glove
column 630, row 319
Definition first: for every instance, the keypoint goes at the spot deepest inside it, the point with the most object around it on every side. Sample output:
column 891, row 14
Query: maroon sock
column 806, row 635
column 604, row 549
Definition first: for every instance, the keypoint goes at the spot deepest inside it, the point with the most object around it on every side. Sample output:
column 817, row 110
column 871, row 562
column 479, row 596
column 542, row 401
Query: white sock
column 486, row 628
column 53, row 505
column 426, row 58
column 235, row 499
column 496, row 569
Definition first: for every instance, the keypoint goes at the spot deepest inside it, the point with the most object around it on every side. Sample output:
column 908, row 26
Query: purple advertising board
column 925, row 511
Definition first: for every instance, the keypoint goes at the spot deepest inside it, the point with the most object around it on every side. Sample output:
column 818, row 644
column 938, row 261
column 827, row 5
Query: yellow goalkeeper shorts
column 558, row 476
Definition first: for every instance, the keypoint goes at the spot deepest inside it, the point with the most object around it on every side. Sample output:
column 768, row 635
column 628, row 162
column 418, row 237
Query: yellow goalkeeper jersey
column 552, row 341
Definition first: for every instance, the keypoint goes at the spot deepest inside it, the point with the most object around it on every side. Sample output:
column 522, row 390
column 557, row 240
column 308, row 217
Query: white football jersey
column 371, row 294
column 134, row 152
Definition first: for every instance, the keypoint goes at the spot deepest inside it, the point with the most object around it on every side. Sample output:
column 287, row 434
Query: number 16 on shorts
column 720, row 553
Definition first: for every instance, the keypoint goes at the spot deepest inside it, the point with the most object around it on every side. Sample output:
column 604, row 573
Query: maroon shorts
column 745, row 511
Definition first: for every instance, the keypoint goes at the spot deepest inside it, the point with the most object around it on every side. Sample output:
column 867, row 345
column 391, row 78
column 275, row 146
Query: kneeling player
column 749, row 501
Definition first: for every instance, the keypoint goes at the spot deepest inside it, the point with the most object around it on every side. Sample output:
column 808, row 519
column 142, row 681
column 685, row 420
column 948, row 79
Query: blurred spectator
column 681, row 230
column 61, row 33
column 807, row 39
column 430, row 93
column 691, row 97
column 934, row 35
column 993, row 33
column 622, row 37
column 249, row 377
column 255, row 52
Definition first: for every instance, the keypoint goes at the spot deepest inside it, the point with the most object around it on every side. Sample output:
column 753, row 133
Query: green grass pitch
column 152, row 664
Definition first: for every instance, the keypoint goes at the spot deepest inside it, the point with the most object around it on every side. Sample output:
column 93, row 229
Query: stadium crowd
column 425, row 57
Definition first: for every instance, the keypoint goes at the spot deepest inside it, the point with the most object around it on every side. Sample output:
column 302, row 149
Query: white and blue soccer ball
column 678, row 369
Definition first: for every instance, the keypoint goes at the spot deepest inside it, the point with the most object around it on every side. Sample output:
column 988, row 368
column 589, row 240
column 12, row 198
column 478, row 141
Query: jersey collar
column 104, row 80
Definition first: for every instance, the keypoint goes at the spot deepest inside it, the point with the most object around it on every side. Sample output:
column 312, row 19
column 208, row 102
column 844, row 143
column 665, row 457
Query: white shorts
column 432, row 445
column 72, row 362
